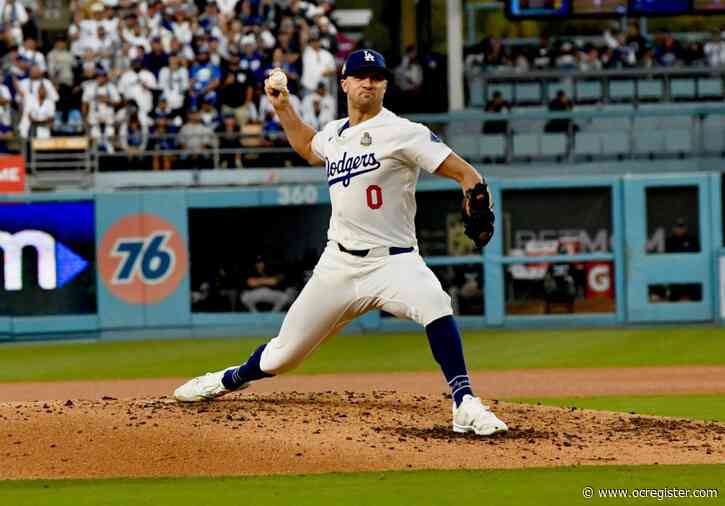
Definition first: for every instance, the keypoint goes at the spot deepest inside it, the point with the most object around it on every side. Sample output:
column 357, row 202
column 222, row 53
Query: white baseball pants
column 343, row 287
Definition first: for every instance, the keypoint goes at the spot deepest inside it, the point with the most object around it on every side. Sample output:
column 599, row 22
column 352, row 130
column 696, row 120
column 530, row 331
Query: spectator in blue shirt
column 205, row 77
column 250, row 58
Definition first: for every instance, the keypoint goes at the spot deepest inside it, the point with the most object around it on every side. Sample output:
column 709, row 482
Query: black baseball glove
column 478, row 217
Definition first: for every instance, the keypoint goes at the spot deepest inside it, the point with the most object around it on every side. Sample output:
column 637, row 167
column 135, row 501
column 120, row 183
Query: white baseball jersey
column 372, row 170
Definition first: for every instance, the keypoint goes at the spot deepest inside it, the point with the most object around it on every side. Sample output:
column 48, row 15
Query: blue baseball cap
column 365, row 59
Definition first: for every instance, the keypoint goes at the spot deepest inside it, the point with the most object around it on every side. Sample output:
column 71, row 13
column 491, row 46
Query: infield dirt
column 353, row 428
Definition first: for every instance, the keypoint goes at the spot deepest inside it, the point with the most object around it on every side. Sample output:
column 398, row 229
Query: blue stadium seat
column 606, row 124
column 588, row 91
column 588, row 144
column 709, row 87
column 713, row 129
column 649, row 89
column 475, row 85
column 526, row 145
column 492, row 146
column 678, row 141
column 645, row 123
column 466, row 146
column 615, row 143
column 648, row 141
column 682, row 88
column 621, row 89
column 505, row 89
column 528, row 93
column 553, row 144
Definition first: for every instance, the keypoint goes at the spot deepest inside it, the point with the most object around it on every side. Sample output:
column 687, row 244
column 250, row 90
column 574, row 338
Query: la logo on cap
column 369, row 56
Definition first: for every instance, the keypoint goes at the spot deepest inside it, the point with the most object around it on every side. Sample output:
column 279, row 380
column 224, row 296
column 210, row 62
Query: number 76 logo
column 148, row 258
column 143, row 258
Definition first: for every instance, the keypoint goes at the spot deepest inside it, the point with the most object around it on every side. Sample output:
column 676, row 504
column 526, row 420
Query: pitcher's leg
column 412, row 291
column 323, row 307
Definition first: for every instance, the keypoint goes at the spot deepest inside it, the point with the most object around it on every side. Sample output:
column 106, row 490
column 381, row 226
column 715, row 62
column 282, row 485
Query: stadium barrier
column 605, row 250
column 631, row 136
column 637, row 85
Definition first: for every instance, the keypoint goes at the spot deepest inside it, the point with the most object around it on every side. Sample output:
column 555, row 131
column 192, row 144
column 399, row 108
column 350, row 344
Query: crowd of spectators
column 159, row 76
column 614, row 50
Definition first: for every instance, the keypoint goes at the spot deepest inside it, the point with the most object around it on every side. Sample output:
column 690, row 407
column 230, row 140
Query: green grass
column 419, row 488
column 491, row 349
column 697, row 407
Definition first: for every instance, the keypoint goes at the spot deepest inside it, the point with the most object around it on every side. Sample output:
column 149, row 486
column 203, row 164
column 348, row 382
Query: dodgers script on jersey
column 372, row 170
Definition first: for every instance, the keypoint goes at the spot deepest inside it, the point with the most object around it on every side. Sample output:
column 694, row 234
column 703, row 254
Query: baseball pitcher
column 372, row 159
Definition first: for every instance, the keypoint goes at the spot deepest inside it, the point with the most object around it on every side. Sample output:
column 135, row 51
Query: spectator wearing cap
column 163, row 108
column 13, row 14
column 31, row 86
column 37, row 116
column 317, row 64
column 29, row 51
column 196, row 139
column 87, row 27
column 319, row 108
column 233, row 91
column 205, row 77
column 138, row 84
column 214, row 50
column 157, row 58
column 163, row 138
column 100, row 98
column 174, row 82
column 251, row 59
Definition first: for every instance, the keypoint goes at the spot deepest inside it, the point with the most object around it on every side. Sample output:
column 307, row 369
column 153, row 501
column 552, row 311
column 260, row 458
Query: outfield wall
column 175, row 261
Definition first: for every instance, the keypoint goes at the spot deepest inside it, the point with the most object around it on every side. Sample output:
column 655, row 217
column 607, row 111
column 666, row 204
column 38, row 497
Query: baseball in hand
column 278, row 80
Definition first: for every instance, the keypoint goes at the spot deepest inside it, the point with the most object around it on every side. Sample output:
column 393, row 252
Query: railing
column 610, row 133
column 615, row 132
column 606, row 86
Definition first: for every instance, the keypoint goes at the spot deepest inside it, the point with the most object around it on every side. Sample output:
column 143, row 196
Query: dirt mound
column 320, row 432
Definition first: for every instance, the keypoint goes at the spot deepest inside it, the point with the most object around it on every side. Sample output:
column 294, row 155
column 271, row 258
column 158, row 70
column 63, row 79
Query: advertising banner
column 12, row 174
column 48, row 252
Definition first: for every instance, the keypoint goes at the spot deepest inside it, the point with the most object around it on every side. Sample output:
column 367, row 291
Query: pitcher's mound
column 323, row 432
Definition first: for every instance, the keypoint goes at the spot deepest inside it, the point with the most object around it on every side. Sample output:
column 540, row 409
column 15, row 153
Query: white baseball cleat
column 474, row 416
column 204, row 388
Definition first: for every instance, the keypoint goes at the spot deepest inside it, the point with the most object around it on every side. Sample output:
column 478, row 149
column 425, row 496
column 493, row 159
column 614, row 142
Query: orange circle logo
column 142, row 258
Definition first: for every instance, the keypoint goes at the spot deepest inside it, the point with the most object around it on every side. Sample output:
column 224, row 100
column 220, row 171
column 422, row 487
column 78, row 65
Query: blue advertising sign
column 47, row 254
